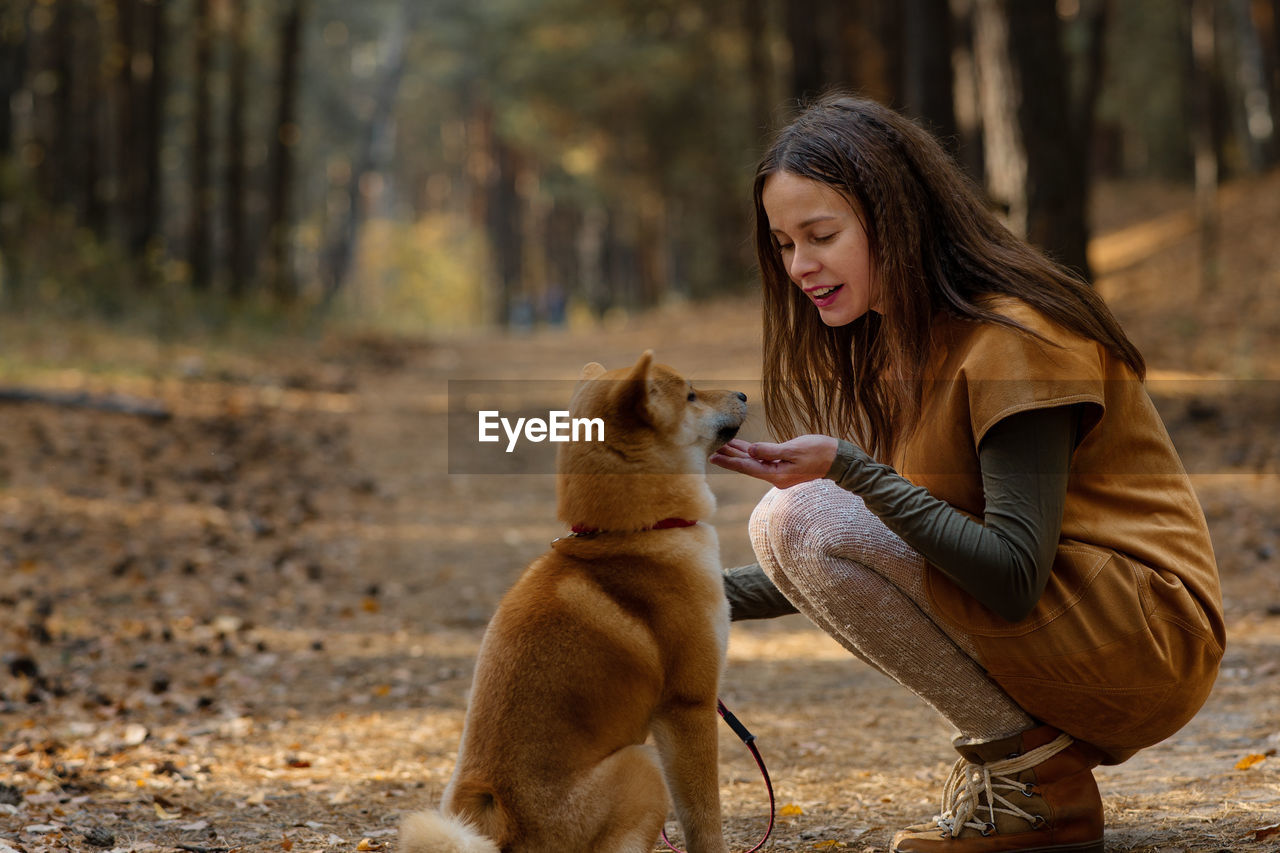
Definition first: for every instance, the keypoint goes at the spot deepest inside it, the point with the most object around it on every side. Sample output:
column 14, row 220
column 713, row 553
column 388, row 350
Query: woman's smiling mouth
column 824, row 296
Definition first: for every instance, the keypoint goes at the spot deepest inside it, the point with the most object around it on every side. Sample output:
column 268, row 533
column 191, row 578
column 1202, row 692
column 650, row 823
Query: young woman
column 975, row 494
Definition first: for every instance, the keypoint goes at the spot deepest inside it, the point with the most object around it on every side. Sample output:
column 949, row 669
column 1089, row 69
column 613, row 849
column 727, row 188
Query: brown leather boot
column 1032, row 793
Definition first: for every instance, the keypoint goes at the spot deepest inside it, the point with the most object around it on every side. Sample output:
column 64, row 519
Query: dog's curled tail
column 432, row 832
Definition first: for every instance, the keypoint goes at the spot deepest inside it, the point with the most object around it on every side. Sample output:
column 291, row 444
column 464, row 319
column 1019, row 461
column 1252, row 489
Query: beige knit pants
column 854, row 578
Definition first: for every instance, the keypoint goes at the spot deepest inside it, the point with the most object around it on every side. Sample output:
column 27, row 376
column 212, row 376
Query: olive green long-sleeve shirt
column 1003, row 561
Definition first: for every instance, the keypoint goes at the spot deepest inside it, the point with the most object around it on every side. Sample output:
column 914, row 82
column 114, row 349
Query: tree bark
column 14, row 36
column 284, row 286
column 122, row 159
column 238, row 270
column 1266, row 19
column 61, row 166
column 928, row 81
column 504, row 220
column 199, row 248
column 759, row 67
column 966, row 98
column 374, row 150
column 1255, row 114
column 1203, row 71
column 867, row 44
column 802, row 19
column 1037, row 165
column 147, row 226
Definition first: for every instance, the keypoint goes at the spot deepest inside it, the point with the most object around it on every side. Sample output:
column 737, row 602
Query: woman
column 976, row 495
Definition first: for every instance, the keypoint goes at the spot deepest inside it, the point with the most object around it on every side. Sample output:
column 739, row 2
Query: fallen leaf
column 1250, row 760
column 134, row 734
column 1263, row 833
column 366, row 844
column 790, row 810
column 286, row 843
column 164, row 815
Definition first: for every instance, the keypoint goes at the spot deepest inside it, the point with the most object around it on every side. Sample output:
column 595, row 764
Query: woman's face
column 823, row 246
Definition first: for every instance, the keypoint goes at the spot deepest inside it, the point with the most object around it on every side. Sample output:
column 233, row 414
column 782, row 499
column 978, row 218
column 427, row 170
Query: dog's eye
column 693, row 395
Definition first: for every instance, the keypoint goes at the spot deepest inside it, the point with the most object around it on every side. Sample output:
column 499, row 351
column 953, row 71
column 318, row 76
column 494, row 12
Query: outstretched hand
column 805, row 458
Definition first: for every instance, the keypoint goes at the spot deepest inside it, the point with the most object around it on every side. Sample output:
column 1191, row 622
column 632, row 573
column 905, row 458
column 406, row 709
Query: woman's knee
column 795, row 519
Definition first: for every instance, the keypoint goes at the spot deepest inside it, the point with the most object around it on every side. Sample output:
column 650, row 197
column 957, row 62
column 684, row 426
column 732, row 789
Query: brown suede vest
column 1123, row 647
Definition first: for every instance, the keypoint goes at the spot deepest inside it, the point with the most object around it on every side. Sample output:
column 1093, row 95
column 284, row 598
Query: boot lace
column 974, row 791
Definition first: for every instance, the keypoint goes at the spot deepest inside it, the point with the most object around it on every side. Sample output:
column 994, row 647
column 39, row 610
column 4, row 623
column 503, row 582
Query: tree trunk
column 238, row 268
column 147, row 227
column 1036, row 165
column 375, row 148
column 759, row 67
column 1266, row 21
column 122, row 158
column 504, row 220
column 867, row 44
column 284, row 285
column 199, row 248
column 966, row 99
column 1255, row 112
column 802, row 21
column 14, row 36
column 928, row 81
column 1202, row 70
column 61, row 165
column 92, row 118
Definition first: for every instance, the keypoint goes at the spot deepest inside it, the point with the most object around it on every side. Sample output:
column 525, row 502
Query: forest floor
column 251, row 625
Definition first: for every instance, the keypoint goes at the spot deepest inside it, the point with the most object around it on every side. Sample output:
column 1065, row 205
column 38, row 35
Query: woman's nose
column 802, row 264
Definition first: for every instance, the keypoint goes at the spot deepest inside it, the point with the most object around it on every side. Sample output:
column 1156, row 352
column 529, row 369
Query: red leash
column 750, row 740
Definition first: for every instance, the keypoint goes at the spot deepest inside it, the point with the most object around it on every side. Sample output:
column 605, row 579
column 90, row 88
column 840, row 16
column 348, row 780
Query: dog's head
column 658, row 430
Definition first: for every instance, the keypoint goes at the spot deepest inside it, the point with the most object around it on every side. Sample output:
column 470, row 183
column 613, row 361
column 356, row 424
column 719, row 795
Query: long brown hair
column 935, row 248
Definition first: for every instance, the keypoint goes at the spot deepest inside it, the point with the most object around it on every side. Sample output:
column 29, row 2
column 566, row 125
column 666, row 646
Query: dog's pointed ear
column 633, row 391
column 591, row 370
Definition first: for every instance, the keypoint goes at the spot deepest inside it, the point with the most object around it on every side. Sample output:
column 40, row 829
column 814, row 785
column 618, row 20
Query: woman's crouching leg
column 854, row 578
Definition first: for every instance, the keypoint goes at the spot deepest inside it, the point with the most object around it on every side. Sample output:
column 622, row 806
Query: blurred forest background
column 418, row 164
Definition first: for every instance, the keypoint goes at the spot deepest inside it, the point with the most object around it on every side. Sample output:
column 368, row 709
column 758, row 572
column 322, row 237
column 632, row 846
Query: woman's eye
column 784, row 247
column 825, row 238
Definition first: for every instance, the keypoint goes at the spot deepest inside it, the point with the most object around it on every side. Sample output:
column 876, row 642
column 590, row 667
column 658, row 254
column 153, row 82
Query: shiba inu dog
column 616, row 633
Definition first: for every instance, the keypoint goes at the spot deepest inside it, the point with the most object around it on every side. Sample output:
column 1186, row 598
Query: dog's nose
column 742, row 397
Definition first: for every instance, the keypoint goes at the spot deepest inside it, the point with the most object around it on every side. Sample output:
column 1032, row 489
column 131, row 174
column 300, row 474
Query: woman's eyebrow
column 812, row 220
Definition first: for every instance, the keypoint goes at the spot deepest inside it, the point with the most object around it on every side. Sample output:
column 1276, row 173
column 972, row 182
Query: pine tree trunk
column 1203, row 71
column 1036, row 164
column 60, row 166
column 966, row 99
column 759, row 67
column 14, row 36
column 122, row 147
column 284, row 285
column 238, row 270
column 808, row 77
column 928, row 81
column 199, row 249
column 147, row 227
column 375, row 147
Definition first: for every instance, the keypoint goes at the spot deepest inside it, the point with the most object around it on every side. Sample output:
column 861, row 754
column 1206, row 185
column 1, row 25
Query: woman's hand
column 799, row 460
